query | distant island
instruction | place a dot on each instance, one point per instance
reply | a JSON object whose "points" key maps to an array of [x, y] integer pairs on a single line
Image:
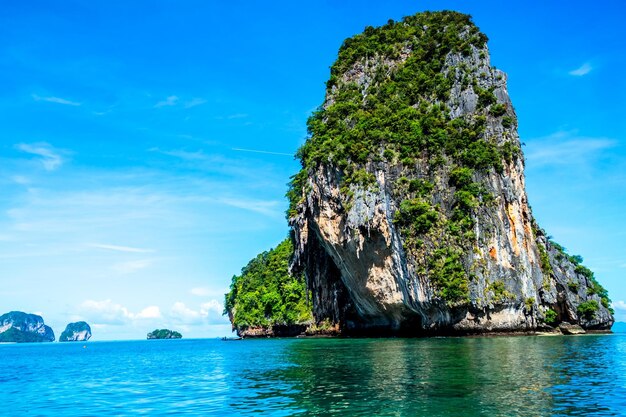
{"points": [[20, 327], [76, 332], [164, 334]]}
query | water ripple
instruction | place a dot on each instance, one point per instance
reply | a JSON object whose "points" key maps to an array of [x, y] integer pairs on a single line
{"points": [[508, 376]]}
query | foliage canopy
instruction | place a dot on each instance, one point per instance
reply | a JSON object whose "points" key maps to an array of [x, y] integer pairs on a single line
{"points": [[266, 294]]}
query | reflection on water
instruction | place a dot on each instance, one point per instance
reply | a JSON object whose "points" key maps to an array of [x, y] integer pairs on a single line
{"points": [[525, 376], [503, 376]]}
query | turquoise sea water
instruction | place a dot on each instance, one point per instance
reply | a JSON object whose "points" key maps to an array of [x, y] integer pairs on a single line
{"points": [[502, 376]]}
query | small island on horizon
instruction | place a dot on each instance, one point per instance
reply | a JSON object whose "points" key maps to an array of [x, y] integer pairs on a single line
{"points": [[79, 331], [164, 334], [20, 327]]}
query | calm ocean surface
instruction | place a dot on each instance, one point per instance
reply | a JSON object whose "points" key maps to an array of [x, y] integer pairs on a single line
{"points": [[503, 376]]}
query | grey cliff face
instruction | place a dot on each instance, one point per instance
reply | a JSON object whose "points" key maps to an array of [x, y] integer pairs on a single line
{"points": [[76, 332], [17, 326], [361, 275]]}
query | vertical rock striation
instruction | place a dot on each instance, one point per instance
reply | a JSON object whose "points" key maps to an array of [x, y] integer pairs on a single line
{"points": [[410, 214]]}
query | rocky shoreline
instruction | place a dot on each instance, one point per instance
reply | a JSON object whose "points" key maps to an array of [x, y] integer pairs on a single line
{"points": [[302, 331]]}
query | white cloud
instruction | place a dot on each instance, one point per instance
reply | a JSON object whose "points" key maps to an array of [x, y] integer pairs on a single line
{"points": [[212, 306], [170, 101], [152, 312], [131, 266], [209, 292], [57, 100], [120, 248], [619, 305], [209, 313], [50, 157], [107, 312], [194, 102], [183, 314], [584, 69], [565, 148], [201, 291]]}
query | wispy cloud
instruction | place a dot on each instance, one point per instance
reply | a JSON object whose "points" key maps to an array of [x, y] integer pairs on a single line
{"points": [[208, 292], [584, 69], [57, 100], [234, 166], [131, 266], [201, 291], [232, 116], [169, 101], [264, 152], [566, 148], [194, 102], [20, 179], [120, 248], [182, 154], [177, 101], [267, 208], [50, 157]]}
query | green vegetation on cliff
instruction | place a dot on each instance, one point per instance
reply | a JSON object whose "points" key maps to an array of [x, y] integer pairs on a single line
{"points": [[266, 294], [14, 335], [399, 116], [20, 327], [414, 156], [593, 286]]}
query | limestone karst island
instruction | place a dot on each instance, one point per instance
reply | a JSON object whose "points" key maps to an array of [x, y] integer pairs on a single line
{"points": [[76, 332], [409, 215], [20, 327]]}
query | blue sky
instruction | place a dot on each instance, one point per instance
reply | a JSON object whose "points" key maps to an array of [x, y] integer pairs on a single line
{"points": [[129, 195]]}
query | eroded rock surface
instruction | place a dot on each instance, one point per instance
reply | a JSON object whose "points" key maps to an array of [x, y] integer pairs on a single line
{"points": [[435, 240]]}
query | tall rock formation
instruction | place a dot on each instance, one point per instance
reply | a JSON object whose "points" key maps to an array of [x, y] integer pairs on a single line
{"points": [[17, 326], [79, 331], [410, 214]]}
